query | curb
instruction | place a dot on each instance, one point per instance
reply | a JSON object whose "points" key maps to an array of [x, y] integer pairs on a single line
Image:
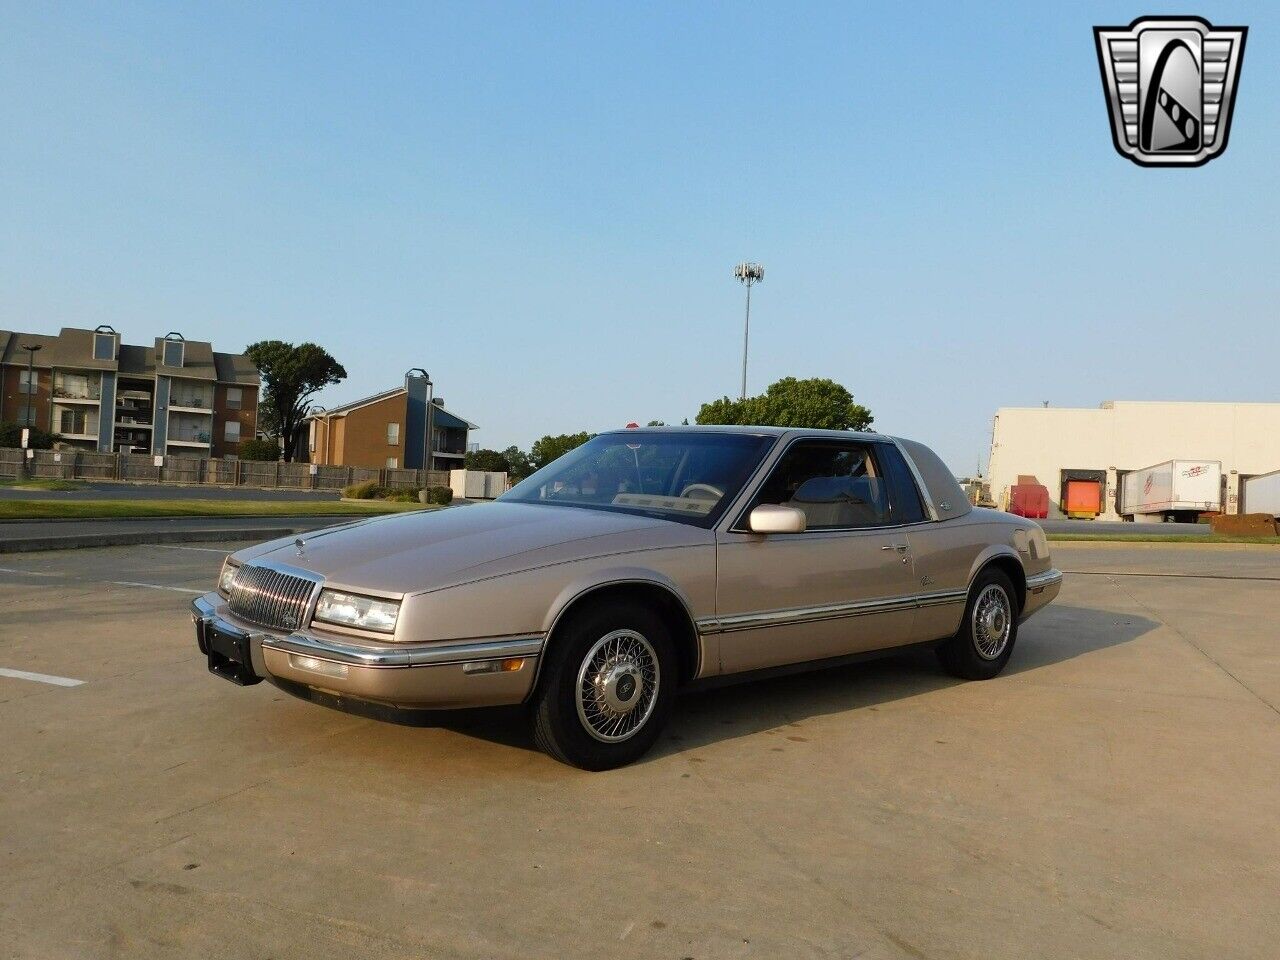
{"points": [[292, 517], [72, 542]]}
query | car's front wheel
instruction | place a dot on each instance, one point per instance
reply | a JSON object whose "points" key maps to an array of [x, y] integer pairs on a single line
{"points": [[606, 688], [984, 642]]}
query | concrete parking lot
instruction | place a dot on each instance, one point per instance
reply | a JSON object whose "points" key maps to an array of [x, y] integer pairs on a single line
{"points": [[1113, 794]]}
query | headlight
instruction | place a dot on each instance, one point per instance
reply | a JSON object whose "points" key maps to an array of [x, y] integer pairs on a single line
{"points": [[229, 568], [353, 610]]}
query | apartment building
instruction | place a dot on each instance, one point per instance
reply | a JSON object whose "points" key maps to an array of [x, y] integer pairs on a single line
{"points": [[388, 430], [175, 397]]}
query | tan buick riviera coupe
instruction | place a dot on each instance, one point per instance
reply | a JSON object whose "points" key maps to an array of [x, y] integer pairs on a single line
{"points": [[641, 563]]}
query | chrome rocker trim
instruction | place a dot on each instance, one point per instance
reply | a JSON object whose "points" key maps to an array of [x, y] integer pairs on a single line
{"points": [[831, 611], [860, 608]]}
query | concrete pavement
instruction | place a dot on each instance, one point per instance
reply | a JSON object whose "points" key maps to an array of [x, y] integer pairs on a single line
{"points": [[1112, 794]]}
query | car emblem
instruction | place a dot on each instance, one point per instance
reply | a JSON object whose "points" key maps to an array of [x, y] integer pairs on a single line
{"points": [[1170, 84], [301, 545]]}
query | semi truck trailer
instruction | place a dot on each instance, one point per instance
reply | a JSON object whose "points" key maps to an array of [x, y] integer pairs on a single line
{"points": [[1176, 490]]}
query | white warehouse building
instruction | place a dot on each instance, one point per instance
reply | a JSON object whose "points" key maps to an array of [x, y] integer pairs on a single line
{"points": [[1057, 444]]}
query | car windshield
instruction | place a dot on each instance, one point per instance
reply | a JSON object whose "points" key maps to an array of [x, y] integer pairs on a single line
{"points": [[689, 477]]}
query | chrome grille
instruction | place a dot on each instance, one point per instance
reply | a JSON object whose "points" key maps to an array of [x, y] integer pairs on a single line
{"points": [[270, 598]]}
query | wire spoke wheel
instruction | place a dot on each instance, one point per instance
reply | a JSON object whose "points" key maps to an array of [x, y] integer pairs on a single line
{"points": [[992, 621], [617, 686]]}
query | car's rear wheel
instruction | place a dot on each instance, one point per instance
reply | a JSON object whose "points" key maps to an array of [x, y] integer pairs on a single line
{"points": [[606, 688], [984, 642]]}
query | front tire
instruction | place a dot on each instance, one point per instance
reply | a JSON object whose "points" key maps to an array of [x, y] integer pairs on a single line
{"points": [[607, 687], [983, 644]]}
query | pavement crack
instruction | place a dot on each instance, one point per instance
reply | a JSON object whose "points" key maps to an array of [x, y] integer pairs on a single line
{"points": [[1199, 649], [209, 803]]}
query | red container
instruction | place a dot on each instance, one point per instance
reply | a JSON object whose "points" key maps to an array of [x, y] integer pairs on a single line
{"points": [[1029, 500]]}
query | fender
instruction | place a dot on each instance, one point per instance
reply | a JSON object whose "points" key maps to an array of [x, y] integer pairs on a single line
{"points": [[590, 581]]}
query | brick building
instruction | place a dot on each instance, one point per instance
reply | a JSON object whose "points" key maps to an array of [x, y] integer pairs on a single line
{"points": [[387, 430], [175, 397]]}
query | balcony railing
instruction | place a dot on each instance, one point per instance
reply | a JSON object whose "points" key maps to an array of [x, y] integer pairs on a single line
{"points": [[196, 403], [191, 436], [69, 393]]}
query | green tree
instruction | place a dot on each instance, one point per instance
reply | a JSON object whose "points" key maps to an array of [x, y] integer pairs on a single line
{"points": [[490, 461], [37, 439], [260, 450], [291, 376], [553, 447], [816, 403], [656, 423], [519, 464]]}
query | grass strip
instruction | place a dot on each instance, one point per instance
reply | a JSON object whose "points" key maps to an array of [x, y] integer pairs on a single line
{"points": [[124, 509]]}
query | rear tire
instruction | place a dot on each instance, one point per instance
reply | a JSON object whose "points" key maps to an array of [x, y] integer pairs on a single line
{"points": [[607, 687], [983, 644]]}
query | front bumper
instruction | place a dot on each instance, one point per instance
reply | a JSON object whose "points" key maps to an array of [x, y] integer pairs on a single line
{"points": [[425, 676], [1041, 589]]}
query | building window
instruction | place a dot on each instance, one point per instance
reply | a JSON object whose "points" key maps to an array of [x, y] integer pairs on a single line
{"points": [[77, 422], [393, 463], [234, 395], [28, 380], [173, 350], [231, 431], [104, 346], [393, 434]]}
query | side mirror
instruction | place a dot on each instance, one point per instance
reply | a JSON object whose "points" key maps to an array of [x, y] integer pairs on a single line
{"points": [[772, 518]]}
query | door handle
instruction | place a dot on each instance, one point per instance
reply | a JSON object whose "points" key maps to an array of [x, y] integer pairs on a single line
{"points": [[900, 547]]}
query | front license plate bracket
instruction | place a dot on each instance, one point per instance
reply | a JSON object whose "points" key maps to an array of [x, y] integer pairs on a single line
{"points": [[229, 657]]}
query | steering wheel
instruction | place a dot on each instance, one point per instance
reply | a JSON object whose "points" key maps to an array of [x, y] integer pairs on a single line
{"points": [[701, 491]]}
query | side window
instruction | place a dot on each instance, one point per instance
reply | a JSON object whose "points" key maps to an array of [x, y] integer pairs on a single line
{"points": [[837, 485], [393, 434], [903, 493]]}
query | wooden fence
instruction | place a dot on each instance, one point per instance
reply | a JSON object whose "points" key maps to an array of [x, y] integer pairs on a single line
{"points": [[200, 471]]}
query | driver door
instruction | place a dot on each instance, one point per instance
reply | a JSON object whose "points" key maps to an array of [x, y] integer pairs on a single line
{"points": [[843, 586]]}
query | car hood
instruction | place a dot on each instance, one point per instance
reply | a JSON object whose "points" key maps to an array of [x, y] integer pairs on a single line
{"points": [[427, 550]]}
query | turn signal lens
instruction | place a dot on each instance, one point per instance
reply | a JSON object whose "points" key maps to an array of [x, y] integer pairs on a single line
{"points": [[509, 665], [315, 665]]}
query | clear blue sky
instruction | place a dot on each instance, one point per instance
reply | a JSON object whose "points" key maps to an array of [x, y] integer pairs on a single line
{"points": [[542, 205]]}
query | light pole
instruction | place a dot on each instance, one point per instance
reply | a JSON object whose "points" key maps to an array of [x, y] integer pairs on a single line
{"points": [[31, 382], [747, 273]]}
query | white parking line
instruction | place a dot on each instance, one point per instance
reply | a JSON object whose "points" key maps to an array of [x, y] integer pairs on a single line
{"points": [[40, 677], [172, 546], [114, 583], [153, 586]]}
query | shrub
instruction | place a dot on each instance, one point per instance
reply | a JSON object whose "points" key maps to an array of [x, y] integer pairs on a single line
{"points": [[368, 490], [11, 436], [438, 495], [259, 450]]}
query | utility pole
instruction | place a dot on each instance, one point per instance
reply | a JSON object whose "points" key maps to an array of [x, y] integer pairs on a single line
{"points": [[747, 273], [31, 381]]}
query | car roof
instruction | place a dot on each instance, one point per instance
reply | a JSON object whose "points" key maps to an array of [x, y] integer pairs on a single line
{"points": [[757, 431]]}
